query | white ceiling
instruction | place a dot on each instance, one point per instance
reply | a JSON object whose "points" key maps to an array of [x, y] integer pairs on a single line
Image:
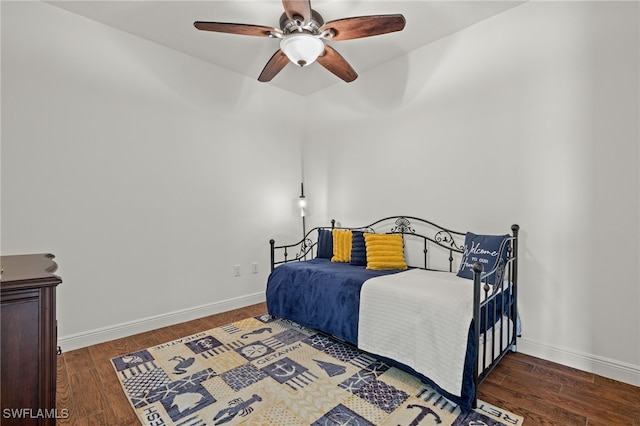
{"points": [[170, 23]]}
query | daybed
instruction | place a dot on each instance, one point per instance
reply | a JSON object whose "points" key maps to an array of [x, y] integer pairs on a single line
{"points": [[438, 303]]}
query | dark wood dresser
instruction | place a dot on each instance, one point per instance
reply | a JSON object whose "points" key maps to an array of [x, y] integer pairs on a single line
{"points": [[28, 339]]}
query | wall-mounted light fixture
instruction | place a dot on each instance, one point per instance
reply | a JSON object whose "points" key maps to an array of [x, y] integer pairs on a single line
{"points": [[302, 208]]}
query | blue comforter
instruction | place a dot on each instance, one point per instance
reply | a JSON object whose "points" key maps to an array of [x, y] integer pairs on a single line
{"points": [[320, 294]]}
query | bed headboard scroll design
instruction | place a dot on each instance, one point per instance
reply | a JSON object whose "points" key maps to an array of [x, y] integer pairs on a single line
{"points": [[432, 240], [403, 226], [444, 238], [428, 234]]}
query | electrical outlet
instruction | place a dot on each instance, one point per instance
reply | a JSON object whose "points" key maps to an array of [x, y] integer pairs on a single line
{"points": [[254, 268], [236, 270]]}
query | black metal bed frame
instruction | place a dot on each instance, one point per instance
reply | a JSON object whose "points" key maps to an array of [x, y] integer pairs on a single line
{"points": [[452, 242]]}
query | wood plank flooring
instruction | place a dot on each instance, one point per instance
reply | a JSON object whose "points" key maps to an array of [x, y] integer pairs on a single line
{"points": [[543, 392]]}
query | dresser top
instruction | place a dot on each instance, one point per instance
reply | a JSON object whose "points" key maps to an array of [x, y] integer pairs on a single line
{"points": [[28, 270]]}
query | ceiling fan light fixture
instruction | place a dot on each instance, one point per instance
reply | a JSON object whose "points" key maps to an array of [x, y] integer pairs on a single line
{"points": [[301, 48]]}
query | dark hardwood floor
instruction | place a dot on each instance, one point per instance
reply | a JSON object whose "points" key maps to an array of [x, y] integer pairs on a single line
{"points": [[543, 392]]}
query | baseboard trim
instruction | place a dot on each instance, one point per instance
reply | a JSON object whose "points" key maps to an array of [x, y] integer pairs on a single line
{"points": [[613, 369], [118, 331]]}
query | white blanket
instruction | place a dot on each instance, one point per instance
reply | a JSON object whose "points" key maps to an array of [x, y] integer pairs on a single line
{"points": [[421, 319]]}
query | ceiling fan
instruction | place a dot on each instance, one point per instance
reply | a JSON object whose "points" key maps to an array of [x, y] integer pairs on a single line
{"points": [[302, 31]]}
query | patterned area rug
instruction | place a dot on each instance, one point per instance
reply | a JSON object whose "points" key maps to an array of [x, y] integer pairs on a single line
{"points": [[264, 371]]}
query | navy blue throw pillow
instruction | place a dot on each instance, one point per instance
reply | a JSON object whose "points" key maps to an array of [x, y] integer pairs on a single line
{"points": [[358, 249], [325, 243], [483, 249]]}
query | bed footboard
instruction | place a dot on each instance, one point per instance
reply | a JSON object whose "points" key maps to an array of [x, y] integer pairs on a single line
{"points": [[494, 342], [301, 250]]}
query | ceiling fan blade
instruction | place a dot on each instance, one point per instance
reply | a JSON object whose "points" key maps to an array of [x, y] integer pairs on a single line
{"points": [[335, 63], [297, 8], [277, 62], [364, 26], [243, 29]]}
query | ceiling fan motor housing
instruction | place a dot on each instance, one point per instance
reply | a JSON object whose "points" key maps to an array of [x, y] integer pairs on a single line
{"points": [[289, 26], [301, 41]]}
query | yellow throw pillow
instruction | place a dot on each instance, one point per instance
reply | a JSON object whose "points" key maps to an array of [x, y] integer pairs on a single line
{"points": [[385, 251], [341, 245]]}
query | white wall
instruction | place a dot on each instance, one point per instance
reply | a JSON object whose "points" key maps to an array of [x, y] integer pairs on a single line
{"points": [[148, 173], [530, 117]]}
